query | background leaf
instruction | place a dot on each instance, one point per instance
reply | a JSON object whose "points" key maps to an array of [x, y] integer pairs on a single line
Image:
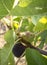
{"points": [[5, 7], [34, 8], [6, 51], [33, 57]]}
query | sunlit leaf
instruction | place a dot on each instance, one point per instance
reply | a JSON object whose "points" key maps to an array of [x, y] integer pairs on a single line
{"points": [[35, 7]]}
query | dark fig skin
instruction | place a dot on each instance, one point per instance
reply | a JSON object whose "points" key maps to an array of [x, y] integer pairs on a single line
{"points": [[18, 49]]}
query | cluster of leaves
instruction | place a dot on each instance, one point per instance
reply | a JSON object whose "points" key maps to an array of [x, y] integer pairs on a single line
{"points": [[30, 16]]}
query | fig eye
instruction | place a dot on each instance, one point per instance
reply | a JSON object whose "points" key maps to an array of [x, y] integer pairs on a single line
{"points": [[18, 49]]}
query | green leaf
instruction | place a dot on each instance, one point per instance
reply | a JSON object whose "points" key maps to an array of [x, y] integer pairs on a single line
{"points": [[46, 40], [33, 57], [18, 19], [35, 19], [43, 38], [30, 27], [42, 43], [0, 56], [9, 36], [23, 3], [35, 7], [39, 27], [7, 49], [5, 7], [9, 61], [24, 25]]}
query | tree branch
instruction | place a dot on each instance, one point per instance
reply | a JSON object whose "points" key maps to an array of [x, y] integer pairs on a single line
{"points": [[28, 44]]}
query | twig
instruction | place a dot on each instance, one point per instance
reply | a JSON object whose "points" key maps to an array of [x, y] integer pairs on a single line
{"points": [[33, 47], [19, 59]]}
